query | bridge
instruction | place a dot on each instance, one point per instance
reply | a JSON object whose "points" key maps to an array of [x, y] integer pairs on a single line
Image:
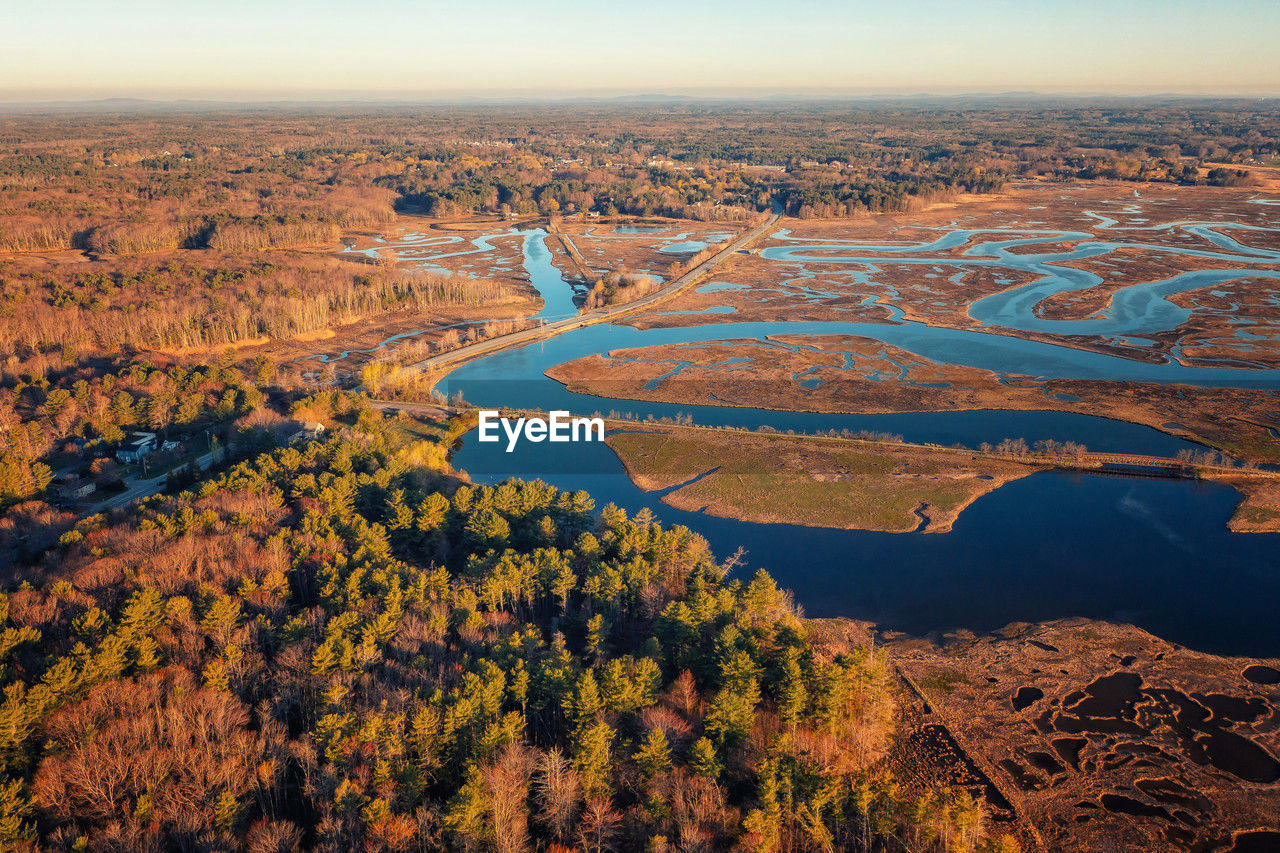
{"points": [[1138, 460], [1160, 466]]}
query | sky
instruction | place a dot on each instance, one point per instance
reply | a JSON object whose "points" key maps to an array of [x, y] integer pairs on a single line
{"points": [[322, 49]]}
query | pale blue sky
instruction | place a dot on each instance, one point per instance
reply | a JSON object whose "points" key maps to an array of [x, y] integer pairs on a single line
{"points": [[323, 48]]}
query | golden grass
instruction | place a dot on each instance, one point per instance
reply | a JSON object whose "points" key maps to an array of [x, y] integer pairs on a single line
{"points": [[808, 481], [1259, 510]]}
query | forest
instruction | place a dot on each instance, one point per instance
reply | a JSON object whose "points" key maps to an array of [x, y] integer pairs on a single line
{"points": [[230, 180], [341, 645], [182, 304]]}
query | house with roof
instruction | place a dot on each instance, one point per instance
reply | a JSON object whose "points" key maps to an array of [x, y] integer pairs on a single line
{"points": [[307, 431], [138, 446]]}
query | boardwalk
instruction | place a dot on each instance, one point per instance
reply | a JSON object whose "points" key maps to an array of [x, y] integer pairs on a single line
{"points": [[1135, 459]]}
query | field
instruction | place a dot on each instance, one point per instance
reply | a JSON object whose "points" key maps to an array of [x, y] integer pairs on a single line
{"points": [[1259, 512], [652, 245], [813, 482]]}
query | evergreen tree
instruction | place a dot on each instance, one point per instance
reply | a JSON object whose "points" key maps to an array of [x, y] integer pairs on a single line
{"points": [[654, 755]]}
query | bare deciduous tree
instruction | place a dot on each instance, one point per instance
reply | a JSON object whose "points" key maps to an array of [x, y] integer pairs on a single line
{"points": [[558, 792], [507, 780]]}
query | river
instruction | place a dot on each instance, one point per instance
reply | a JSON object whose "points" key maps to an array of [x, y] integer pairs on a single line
{"points": [[1155, 553]]}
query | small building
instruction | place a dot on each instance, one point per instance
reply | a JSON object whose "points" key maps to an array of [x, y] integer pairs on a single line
{"points": [[139, 446], [73, 488], [81, 490], [308, 431]]}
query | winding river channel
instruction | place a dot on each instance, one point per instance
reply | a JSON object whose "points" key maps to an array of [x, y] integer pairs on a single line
{"points": [[1156, 553]]}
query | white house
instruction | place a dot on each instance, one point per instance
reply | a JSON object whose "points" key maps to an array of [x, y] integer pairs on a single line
{"points": [[309, 431]]}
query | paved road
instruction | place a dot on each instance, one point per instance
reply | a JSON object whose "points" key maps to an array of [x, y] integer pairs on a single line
{"points": [[137, 488], [600, 315]]}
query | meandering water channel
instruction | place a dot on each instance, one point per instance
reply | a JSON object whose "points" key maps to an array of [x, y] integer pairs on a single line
{"points": [[1155, 553]]}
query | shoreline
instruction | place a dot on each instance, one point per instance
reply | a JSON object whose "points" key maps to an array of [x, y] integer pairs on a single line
{"points": [[846, 486]]}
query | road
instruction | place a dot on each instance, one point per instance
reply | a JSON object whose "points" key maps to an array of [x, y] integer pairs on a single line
{"points": [[600, 315], [137, 488]]}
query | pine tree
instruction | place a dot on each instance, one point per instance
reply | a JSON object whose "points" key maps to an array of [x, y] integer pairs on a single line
{"points": [[222, 617], [148, 654], [144, 612], [792, 695], [16, 811], [467, 810], [582, 707], [703, 759], [216, 676], [654, 755], [398, 515], [597, 635], [485, 528], [432, 512], [226, 811], [591, 757], [562, 583], [327, 657], [733, 712]]}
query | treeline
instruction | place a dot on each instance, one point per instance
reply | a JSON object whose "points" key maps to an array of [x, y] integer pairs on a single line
{"points": [[270, 232], [617, 287], [704, 193], [222, 186], [833, 159], [181, 305], [392, 375], [341, 646], [35, 236], [214, 232], [1019, 449], [811, 196], [160, 183]]}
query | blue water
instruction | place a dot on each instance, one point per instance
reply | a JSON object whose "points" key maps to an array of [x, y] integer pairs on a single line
{"points": [[1155, 553], [1134, 310], [1152, 552], [1000, 353], [687, 247], [422, 252], [640, 229], [1140, 308], [556, 293]]}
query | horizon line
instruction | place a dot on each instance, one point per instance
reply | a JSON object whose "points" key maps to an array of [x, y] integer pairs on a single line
{"points": [[330, 97]]}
